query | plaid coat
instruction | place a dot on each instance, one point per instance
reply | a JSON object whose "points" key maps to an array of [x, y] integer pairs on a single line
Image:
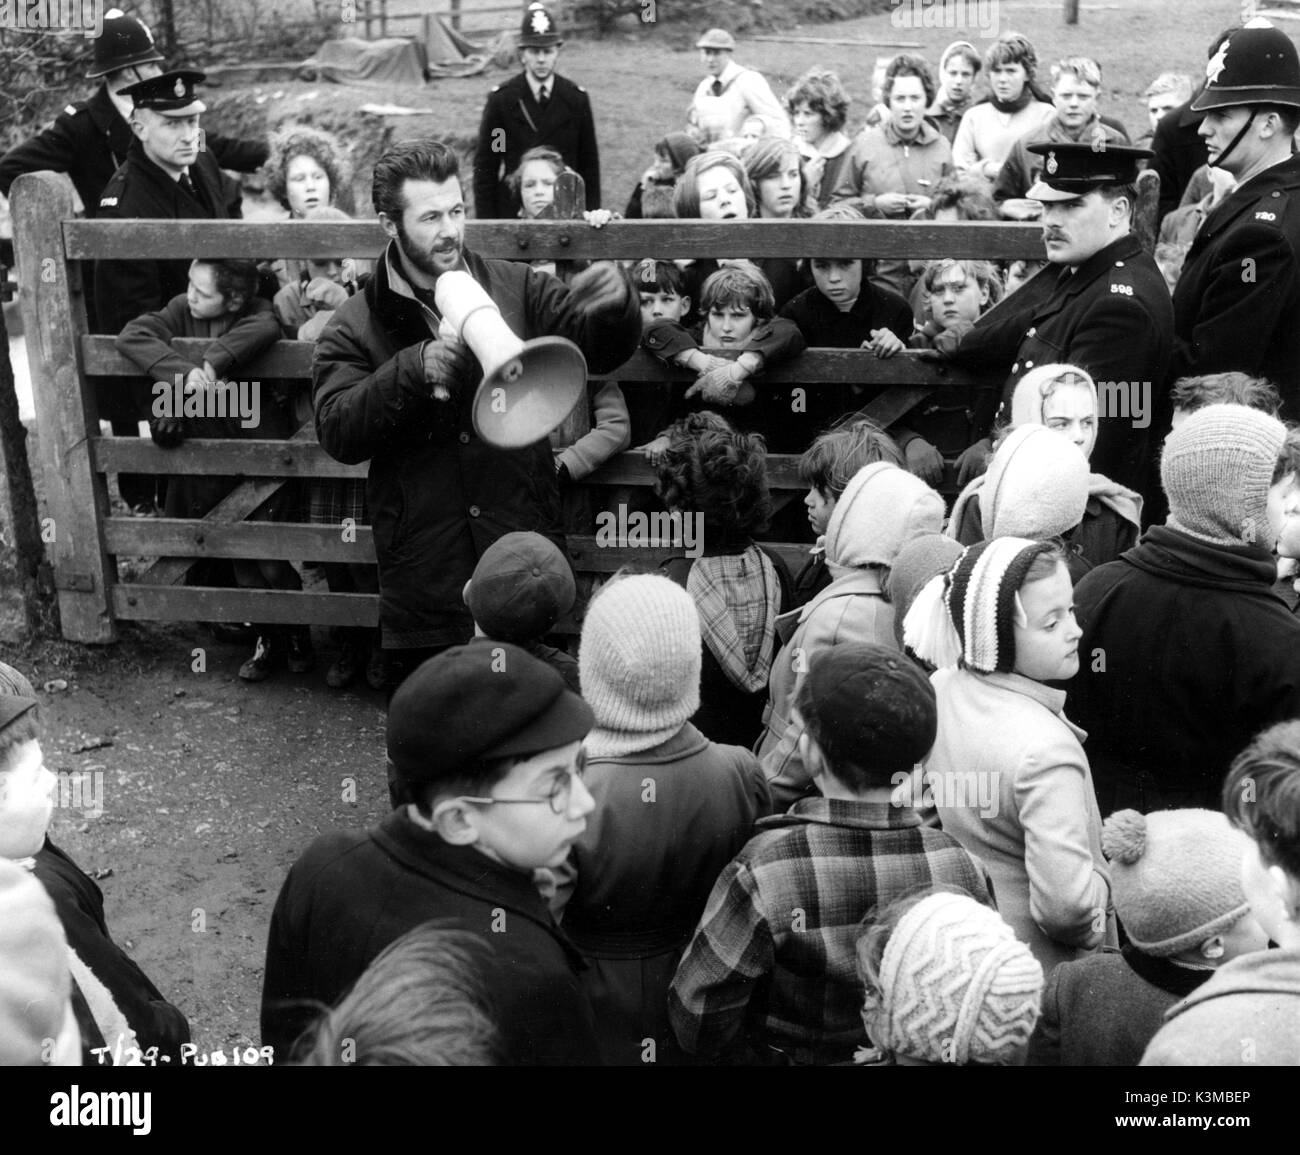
{"points": [[772, 965]]}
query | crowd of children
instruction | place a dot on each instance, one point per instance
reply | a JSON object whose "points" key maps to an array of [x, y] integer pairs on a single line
{"points": [[844, 816]]}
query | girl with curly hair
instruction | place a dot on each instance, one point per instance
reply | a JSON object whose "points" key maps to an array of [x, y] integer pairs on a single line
{"points": [[818, 107], [716, 474]]}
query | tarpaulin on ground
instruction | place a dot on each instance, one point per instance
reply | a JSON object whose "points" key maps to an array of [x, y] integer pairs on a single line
{"points": [[396, 60]]}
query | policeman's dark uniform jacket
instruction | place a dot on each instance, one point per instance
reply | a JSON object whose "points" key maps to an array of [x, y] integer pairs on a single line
{"points": [[140, 188], [90, 139], [513, 122], [1111, 315], [1237, 302], [438, 494]]}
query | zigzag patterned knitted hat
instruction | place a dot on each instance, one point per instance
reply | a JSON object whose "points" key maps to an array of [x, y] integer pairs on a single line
{"points": [[957, 986]]}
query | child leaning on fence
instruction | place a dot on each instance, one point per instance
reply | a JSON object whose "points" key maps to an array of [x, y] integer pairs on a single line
{"points": [[305, 307]]}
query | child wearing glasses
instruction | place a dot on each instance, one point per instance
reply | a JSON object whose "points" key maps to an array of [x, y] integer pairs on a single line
{"points": [[672, 808], [490, 796]]}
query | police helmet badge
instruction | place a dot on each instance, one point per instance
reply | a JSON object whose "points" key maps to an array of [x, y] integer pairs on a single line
{"points": [[1052, 166]]}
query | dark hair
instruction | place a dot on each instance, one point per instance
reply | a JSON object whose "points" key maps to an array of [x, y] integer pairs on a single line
{"points": [[474, 780], [763, 160], [1232, 388], [429, 160], [907, 65], [711, 468], [653, 276], [829, 463], [1012, 48], [969, 195], [1112, 193], [741, 285], [1261, 795], [422, 1002], [821, 90], [23, 729], [686, 196], [323, 147], [1288, 457], [232, 277], [1287, 114], [541, 152]]}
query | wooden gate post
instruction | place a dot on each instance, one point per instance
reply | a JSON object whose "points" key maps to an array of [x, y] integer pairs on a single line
{"points": [[54, 318]]}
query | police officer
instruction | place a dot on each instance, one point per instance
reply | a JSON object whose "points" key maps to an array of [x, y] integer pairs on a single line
{"points": [[1101, 302], [165, 174], [91, 138], [1237, 302], [537, 107]]}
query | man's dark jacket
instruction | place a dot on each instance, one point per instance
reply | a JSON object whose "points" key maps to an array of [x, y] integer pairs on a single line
{"points": [[513, 122], [89, 141], [125, 290], [353, 893], [1237, 303], [1111, 316], [439, 495], [1186, 655]]}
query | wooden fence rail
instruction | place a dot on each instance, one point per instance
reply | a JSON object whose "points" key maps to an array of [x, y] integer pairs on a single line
{"points": [[75, 458]]}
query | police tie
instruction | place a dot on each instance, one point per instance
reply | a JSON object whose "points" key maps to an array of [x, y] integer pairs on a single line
{"points": [[717, 88]]}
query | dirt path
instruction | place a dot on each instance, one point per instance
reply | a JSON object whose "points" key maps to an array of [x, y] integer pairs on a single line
{"points": [[210, 789]]}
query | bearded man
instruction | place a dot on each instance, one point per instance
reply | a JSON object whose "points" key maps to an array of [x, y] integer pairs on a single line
{"points": [[390, 389]]}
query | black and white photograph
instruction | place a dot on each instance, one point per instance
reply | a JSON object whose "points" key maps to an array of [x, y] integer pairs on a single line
{"points": [[686, 534]]}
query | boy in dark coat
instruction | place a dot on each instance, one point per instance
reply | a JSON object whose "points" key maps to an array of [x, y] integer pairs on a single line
{"points": [[1176, 880], [121, 1015], [672, 809], [495, 797], [1248, 1013], [770, 976], [1186, 650]]}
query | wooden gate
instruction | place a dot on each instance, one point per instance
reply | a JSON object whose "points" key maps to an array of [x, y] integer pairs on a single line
{"points": [[75, 458]]}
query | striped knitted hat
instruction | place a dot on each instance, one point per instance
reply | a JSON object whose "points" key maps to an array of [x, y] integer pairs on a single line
{"points": [[956, 986], [970, 612]]}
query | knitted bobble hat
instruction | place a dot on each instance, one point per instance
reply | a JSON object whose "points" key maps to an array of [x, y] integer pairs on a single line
{"points": [[1175, 876], [917, 562], [970, 612], [956, 985], [1216, 469], [639, 663]]}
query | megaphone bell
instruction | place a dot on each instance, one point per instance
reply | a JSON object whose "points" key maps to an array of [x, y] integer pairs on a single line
{"points": [[528, 387]]}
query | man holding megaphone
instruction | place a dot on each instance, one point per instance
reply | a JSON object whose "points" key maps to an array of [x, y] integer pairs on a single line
{"points": [[395, 382]]}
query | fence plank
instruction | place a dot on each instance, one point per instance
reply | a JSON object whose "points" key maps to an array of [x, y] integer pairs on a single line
{"points": [[292, 359], [54, 317], [288, 541], [992, 240], [275, 607], [215, 458]]}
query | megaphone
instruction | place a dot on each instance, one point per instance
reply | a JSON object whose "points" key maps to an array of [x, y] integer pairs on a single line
{"points": [[528, 387]]}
